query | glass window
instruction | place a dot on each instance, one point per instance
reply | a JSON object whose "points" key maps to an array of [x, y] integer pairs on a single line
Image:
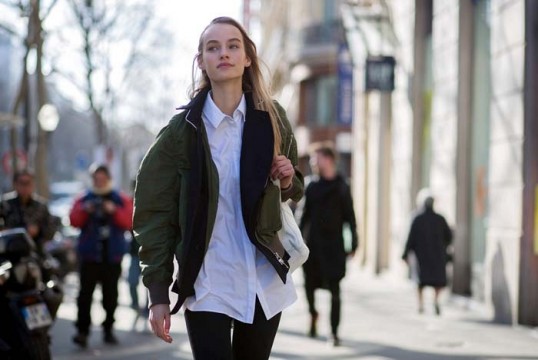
{"points": [[320, 101]]}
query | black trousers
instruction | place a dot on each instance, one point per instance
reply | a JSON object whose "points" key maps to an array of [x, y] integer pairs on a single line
{"points": [[210, 335], [334, 288], [92, 274]]}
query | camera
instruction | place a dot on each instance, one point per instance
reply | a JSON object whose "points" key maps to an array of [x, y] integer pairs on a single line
{"points": [[96, 207]]}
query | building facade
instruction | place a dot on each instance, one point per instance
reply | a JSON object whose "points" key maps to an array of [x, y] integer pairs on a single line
{"points": [[304, 45], [461, 120]]}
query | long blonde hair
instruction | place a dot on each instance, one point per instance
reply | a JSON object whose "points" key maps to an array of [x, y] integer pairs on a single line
{"points": [[253, 80]]}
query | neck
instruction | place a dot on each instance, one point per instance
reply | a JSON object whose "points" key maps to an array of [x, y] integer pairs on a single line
{"points": [[329, 174], [103, 190], [226, 96], [24, 199]]}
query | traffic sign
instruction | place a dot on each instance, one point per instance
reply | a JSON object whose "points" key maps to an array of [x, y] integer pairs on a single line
{"points": [[7, 160]]}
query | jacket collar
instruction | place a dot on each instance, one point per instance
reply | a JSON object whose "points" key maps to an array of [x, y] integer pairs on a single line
{"points": [[214, 116], [196, 106]]}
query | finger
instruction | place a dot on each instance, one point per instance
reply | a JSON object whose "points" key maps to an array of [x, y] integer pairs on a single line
{"points": [[167, 323], [286, 171], [156, 322], [157, 328], [275, 165], [282, 169]]}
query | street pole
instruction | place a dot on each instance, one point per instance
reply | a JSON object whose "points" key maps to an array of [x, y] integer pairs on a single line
{"points": [[41, 170]]}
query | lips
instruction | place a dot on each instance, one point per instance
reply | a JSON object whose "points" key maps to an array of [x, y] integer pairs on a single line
{"points": [[224, 65]]}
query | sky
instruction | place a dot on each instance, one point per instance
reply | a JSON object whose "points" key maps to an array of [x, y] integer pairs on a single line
{"points": [[184, 19], [187, 20]]}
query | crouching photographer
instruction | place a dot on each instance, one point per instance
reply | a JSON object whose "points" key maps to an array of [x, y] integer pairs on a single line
{"points": [[103, 215]]}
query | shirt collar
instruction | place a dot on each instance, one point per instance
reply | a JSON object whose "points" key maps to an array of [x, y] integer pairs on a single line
{"points": [[215, 116]]}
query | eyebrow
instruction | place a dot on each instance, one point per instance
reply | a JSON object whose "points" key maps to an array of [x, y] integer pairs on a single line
{"points": [[217, 42]]}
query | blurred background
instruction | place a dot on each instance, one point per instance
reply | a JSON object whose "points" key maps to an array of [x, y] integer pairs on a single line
{"points": [[413, 93]]}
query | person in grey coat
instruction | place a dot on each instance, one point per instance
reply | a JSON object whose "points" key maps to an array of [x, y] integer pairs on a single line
{"points": [[429, 238]]}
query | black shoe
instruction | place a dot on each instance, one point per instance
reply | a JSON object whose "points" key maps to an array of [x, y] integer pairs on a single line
{"points": [[313, 326], [81, 340], [437, 309], [109, 338], [335, 341]]}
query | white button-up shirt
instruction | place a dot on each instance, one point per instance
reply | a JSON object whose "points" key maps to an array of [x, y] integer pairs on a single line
{"points": [[234, 272]]}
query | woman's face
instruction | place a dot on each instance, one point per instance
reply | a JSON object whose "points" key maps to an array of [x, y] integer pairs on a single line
{"points": [[100, 180], [223, 53]]}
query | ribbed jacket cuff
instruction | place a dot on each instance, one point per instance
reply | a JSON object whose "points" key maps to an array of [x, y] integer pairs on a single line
{"points": [[158, 294], [285, 194]]}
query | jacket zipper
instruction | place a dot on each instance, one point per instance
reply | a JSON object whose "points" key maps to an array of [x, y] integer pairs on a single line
{"points": [[277, 256], [281, 261]]}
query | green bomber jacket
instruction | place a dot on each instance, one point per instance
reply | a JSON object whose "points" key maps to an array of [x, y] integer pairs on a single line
{"points": [[176, 197]]}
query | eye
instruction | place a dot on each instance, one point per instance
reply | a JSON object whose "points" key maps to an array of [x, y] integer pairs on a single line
{"points": [[212, 48]]}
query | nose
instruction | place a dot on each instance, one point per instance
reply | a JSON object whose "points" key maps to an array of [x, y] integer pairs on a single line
{"points": [[224, 53]]}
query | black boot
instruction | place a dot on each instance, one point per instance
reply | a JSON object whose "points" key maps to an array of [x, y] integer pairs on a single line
{"points": [[81, 339], [335, 340], [313, 326], [109, 337]]}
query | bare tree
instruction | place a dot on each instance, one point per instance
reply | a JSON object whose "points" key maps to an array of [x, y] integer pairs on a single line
{"points": [[33, 39], [115, 41], [112, 57]]}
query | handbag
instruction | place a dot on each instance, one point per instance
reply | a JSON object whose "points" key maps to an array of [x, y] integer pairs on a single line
{"points": [[290, 236]]}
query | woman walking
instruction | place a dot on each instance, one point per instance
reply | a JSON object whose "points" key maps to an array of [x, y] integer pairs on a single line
{"points": [[429, 238], [197, 198]]}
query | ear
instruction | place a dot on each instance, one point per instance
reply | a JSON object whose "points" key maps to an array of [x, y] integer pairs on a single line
{"points": [[247, 62], [200, 62]]}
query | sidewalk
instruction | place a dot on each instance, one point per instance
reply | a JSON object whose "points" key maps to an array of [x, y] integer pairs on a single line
{"points": [[379, 321]]}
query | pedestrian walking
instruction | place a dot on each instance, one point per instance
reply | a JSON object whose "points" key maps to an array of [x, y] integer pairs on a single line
{"points": [[23, 208], [327, 207], [428, 238], [196, 197], [103, 215]]}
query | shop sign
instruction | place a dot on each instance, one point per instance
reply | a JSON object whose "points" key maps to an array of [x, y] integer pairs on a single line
{"points": [[380, 73]]}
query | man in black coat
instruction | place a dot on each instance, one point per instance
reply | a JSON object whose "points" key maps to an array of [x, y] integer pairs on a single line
{"points": [[23, 208], [429, 237], [328, 205]]}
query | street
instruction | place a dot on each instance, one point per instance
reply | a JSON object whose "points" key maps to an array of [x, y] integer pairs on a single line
{"points": [[379, 322]]}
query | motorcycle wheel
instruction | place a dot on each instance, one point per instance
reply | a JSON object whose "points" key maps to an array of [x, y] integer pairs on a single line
{"points": [[40, 346]]}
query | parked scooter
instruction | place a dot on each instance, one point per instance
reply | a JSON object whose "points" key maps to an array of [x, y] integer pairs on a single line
{"points": [[28, 304], [62, 248]]}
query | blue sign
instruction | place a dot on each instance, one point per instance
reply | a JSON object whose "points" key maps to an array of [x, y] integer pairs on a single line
{"points": [[82, 160], [345, 87]]}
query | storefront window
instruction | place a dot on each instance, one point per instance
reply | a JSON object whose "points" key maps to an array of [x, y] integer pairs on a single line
{"points": [[320, 101]]}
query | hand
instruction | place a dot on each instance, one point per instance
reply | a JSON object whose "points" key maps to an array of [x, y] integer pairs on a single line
{"points": [[32, 230], [282, 169], [88, 207], [109, 207], [159, 319]]}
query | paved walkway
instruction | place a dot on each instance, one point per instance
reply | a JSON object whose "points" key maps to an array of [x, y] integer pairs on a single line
{"points": [[379, 322]]}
